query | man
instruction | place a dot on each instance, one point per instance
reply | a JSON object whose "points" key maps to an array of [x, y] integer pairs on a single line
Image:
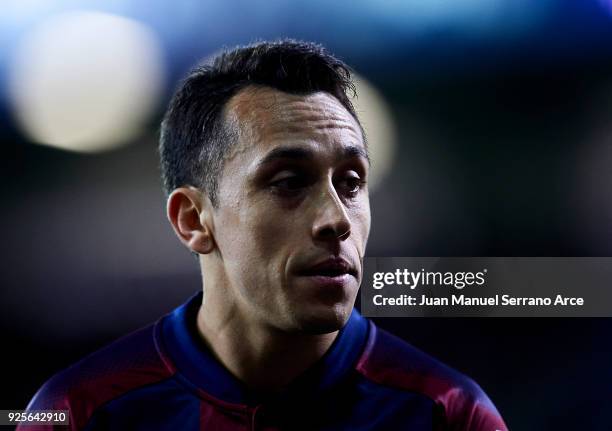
{"points": [[266, 166]]}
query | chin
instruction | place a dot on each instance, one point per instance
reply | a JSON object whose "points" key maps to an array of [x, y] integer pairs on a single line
{"points": [[324, 319]]}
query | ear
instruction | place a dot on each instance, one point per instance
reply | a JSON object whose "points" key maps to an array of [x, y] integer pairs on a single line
{"points": [[189, 212]]}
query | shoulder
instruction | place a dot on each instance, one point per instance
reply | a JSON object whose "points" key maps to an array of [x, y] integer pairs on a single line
{"points": [[126, 364], [387, 360]]}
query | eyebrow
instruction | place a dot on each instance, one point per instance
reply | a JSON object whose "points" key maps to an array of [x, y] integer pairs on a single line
{"points": [[300, 153]]}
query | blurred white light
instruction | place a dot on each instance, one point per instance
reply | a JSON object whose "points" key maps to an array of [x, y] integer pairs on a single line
{"points": [[377, 121], [86, 81], [21, 8]]}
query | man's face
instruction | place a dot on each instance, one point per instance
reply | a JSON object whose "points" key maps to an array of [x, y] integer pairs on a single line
{"points": [[293, 215]]}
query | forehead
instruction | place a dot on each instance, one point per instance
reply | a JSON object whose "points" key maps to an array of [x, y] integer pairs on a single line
{"points": [[264, 118]]}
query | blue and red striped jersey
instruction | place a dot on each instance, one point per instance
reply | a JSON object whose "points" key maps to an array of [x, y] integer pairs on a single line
{"points": [[163, 377]]}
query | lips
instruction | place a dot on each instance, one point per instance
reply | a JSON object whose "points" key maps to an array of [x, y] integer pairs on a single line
{"points": [[333, 267]]}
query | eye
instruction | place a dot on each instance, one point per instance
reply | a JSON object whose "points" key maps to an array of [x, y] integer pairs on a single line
{"points": [[350, 185], [289, 183]]}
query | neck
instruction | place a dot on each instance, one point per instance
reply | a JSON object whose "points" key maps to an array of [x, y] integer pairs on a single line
{"points": [[265, 358]]}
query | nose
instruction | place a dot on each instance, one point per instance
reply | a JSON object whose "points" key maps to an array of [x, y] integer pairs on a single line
{"points": [[331, 222]]}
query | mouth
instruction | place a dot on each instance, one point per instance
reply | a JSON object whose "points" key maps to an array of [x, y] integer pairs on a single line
{"points": [[330, 268]]}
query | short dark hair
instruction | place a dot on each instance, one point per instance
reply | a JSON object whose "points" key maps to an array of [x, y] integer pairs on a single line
{"points": [[194, 138]]}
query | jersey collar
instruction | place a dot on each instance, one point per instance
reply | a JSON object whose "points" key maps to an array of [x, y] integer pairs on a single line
{"points": [[195, 363]]}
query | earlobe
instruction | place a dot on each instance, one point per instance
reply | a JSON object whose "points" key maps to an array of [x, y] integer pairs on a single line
{"points": [[187, 212]]}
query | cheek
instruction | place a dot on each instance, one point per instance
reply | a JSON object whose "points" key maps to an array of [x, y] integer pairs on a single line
{"points": [[360, 216], [255, 232], [267, 239], [270, 228]]}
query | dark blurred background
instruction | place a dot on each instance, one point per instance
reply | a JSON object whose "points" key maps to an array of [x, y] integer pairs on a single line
{"points": [[489, 124]]}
